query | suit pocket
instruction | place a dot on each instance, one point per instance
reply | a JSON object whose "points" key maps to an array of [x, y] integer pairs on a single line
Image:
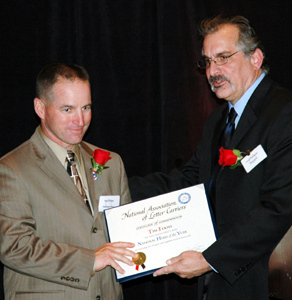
{"points": [[40, 295]]}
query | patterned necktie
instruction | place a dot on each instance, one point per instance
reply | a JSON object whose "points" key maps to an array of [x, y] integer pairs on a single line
{"points": [[72, 171], [228, 131]]}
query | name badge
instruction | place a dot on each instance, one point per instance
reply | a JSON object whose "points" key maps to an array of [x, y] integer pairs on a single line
{"points": [[256, 156], [108, 201]]}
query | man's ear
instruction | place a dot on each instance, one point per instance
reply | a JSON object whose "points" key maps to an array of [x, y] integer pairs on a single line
{"points": [[257, 58], [39, 108]]}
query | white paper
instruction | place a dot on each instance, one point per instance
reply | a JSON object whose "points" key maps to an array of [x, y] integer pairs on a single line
{"points": [[162, 227]]}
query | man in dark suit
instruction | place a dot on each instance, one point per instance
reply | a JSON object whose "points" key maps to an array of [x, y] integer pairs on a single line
{"points": [[252, 210], [53, 239]]}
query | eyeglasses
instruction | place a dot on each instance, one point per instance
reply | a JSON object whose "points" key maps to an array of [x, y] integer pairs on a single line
{"points": [[205, 62]]}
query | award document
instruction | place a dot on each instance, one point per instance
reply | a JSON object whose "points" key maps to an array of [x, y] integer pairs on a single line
{"points": [[162, 227]]}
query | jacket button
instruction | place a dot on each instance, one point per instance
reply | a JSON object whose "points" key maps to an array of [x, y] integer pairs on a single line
{"points": [[94, 230]]}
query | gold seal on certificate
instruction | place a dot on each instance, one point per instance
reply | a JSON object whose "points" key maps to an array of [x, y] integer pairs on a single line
{"points": [[140, 260]]}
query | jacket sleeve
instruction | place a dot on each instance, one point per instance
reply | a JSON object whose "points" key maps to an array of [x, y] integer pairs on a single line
{"points": [[159, 183]]}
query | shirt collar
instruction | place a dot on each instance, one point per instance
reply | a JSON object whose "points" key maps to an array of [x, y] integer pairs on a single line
{"points": [[239, 106], [58, 150]]}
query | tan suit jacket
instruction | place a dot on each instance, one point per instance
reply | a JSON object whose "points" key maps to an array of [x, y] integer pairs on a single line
{"points": [[47, 234]]}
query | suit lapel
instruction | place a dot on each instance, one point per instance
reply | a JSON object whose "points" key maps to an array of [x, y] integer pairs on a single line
{"points": [[53, 168], [220, 123], [49, 163], [251, 111], [246, 121], [87, 155]]}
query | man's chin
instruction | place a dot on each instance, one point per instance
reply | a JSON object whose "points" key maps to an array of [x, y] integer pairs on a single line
{"points": [[216, 88], [74, 141], [222, 92]]}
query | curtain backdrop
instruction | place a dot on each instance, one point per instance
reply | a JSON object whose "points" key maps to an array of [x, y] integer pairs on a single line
{"points": [[149, 100]]}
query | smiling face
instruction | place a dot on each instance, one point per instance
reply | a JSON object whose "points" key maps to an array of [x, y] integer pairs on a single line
{"points": [[230, 81], [66, 115]]}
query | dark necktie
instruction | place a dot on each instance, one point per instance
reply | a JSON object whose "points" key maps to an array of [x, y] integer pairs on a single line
{"points": [[224, 142], [228, 131], [72, 171]]}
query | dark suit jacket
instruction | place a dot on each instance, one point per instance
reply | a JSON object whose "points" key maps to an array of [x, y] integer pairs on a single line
{"points": [[253, 210], [47, 234]]}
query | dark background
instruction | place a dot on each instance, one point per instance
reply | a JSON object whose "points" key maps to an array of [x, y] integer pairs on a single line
{"points": [[149, 100]]}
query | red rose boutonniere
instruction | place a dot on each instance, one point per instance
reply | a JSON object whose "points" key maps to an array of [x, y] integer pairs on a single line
{"points": [[230, 158], [99, 159]]}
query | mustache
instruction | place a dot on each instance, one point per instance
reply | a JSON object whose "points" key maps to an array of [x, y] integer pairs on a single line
{"points": [[218, 78]]}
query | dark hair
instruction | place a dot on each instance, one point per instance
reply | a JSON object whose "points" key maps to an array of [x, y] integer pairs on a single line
{"points": [[50, 74], [248, 41]]}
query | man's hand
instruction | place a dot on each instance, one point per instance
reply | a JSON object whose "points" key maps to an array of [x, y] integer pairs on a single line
{"points": [[187, 265], [109, 253]]}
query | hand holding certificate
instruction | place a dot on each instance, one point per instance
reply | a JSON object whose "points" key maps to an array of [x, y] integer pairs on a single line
{"points": [[187, 265], [162, 227]]}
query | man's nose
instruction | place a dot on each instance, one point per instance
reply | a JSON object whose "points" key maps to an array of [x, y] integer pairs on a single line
{"points": [[79, 118], [213, 69]]}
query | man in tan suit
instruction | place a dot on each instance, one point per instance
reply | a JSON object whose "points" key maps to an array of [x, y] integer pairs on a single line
{"points": [[53, 244]]}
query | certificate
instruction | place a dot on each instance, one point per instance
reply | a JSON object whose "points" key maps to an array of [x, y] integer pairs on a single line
{"points": [[162, 227]]}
